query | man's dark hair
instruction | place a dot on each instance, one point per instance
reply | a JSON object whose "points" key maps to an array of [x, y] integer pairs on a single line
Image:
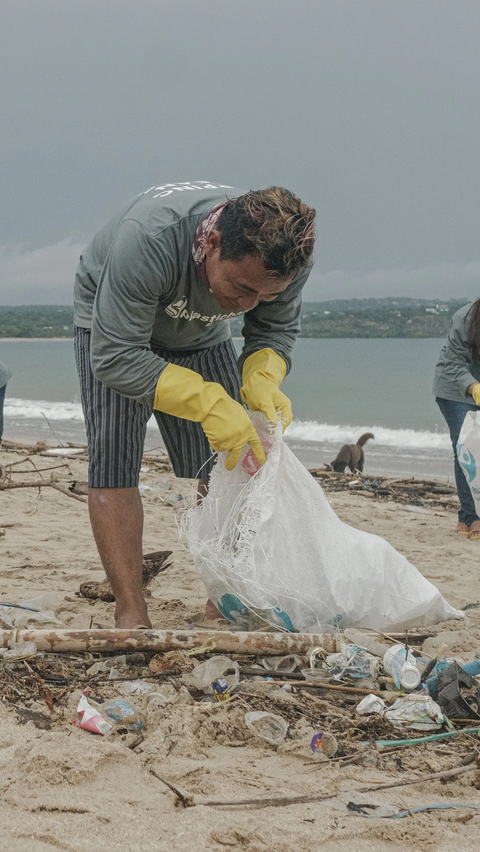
{"points": [[272, 224]]}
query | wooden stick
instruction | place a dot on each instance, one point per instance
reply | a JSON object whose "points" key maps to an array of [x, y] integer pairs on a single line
{"points": [[41, 469], [338, 687], [276, 644], [300, 800], [41, 483]]}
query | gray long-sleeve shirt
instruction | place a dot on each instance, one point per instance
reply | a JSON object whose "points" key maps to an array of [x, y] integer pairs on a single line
{"points": [[457, 369], [137, 286], [5, 374]]}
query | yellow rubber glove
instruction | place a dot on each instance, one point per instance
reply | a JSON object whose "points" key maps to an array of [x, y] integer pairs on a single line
{"points": [[183, 393], [263, 372], [476, 393]]}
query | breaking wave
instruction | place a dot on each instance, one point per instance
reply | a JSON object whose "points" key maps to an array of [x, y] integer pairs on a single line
{"points": [[36, 408], [298, 431], [326, 433]]}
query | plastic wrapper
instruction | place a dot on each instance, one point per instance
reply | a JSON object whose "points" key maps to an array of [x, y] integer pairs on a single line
{"points": [[371, 704], [417, 711], [123, 713], [90, 719], [353, 663], [18, 651], [33, 609]]}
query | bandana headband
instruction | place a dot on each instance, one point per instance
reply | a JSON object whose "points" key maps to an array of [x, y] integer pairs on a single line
{"points": [[206, 226]]}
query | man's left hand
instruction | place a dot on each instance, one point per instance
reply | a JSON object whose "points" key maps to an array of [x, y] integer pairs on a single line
{"points": [[263, 371]]}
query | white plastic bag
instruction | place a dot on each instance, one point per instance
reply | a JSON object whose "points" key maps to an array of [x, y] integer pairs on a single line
{"points": [[272, 542], [468, 453]]}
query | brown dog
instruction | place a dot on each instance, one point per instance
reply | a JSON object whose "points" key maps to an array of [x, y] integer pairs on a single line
{"points": [[351, 455]]}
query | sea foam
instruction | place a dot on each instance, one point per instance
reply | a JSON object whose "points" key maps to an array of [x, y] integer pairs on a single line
{"points": [[298, 431], [326, 433]]}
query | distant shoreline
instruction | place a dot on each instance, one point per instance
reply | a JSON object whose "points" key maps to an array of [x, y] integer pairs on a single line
{"points": [[235, 337], [31, 339]]}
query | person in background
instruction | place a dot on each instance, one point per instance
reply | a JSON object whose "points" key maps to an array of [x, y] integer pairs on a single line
{"points": [[457, 390], [4, 377], [154, 292]]}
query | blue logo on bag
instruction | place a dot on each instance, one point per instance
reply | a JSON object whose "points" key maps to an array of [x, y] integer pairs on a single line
{"points": [[467, 462]]}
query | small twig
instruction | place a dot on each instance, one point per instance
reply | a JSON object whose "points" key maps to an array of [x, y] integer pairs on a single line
{"points": [[67, 492], [51, 429], [305, 684], [184, 798], [300, 800], [41, 469]]}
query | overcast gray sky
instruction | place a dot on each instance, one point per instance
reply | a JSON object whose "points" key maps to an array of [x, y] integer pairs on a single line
{"points": [[368, 109]]}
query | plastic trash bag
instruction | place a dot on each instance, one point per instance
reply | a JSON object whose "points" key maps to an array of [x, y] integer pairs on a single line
{"points": [[468, 453], [272, 542]]}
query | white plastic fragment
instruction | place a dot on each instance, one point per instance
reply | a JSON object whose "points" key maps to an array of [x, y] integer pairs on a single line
{"points": [[371, 704], [267, 726]]}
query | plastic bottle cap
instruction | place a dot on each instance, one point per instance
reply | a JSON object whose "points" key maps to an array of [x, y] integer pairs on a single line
{"points": [[409, 676]]}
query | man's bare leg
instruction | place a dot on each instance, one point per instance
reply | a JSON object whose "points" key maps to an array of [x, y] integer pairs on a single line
{"points": [[116, 515]]}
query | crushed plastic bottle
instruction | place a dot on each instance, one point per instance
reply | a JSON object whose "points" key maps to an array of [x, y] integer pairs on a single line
{"points": [[267, 726], [204, 675]]}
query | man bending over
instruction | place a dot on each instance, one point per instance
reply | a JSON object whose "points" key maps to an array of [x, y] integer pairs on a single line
{"points": [[154, 292]]}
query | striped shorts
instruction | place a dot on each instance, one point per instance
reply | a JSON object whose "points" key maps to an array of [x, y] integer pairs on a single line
{"points": [[116, 425]]}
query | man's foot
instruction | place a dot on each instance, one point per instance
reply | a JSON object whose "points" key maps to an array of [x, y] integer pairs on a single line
{"points": [[474, 531], [132, 620], [211, 610], [462, 529]]}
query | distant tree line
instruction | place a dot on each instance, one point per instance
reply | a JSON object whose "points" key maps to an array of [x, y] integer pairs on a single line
{"points": [[392, 317], [374, 318], [36, 321]]}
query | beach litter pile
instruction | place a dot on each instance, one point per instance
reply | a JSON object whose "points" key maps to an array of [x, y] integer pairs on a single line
{"points": [[345, 699], [423, 493]]}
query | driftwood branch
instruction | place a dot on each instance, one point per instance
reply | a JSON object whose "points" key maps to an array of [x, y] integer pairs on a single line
{"points": [[276, 644], [409, 490], [41, 483]]}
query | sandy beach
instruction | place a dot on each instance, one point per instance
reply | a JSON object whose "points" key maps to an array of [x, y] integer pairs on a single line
{"points": [[65, 788]]}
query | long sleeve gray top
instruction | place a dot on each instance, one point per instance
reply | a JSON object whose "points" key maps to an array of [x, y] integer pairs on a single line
{"points": [[5, 374], [456, 368], [137, 286]]}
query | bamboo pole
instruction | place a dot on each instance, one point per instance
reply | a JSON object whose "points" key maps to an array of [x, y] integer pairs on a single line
{"points": [[276, 644]]}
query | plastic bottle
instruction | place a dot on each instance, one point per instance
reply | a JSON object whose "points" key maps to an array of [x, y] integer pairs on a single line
{"points": [[402, 666]]}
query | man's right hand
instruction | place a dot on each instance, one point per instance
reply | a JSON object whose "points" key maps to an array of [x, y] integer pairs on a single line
{"points": [[474, 390], [183, 393]]}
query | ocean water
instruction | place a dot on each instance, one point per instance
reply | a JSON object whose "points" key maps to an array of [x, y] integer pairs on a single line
{"points": [[339, 389]]}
